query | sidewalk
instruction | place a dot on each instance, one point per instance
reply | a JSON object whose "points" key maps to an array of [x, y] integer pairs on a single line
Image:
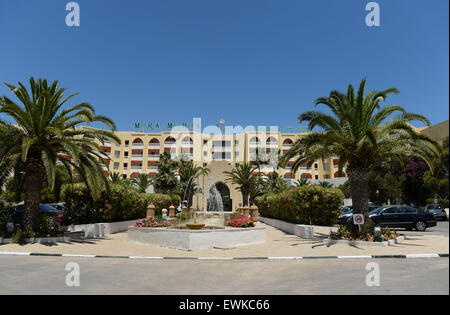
{"points": [[278, 244]]}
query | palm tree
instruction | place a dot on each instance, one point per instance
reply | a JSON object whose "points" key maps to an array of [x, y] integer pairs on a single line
{"points": [[45, 134], [275, 182], [359, 133], [142, 182], [189, 174], [166, 179], [243, 176], [115, 178], [325, 184], [302, 182]]}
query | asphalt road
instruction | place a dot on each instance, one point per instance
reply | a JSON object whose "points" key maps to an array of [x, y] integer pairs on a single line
{"points": [[440, 229], [47, 275]]}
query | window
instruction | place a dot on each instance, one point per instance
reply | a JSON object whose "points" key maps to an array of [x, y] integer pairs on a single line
{"points": [[316, 166], [125, 165], [327, 176], [205, 153], [205, 142], [205, 164], [117, 154], [391, 210], [316, 176], [126, 154], [326, 166], [124, 176], [127, 143], [116, 165]]}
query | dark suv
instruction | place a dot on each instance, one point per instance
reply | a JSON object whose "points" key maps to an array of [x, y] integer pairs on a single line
{"points": [[403, 217]]}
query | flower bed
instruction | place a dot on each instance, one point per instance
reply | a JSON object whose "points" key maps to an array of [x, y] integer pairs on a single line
{"points": [[154, 222], [240, 221]]}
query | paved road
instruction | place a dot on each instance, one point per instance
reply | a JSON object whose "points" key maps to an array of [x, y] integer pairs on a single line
{"points": [[46, 275], [440, 229]]}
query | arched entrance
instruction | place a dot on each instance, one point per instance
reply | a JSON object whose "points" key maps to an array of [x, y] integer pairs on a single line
{"points": [[224, 192]]}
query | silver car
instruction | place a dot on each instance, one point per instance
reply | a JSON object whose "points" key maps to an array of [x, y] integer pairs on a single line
{"points": [[437, 210]]}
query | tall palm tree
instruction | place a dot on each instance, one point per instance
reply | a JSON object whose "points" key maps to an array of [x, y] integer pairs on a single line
{"points": [[189, 174], [142, 182], [359, 133], [243, 176], [45, 134]]}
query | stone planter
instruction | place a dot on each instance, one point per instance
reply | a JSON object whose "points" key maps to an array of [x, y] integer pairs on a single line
{"points": [[329, 242], [171, 211], [150, 211], [254, 213], [246, 211], [41, 240], [184, 209]]}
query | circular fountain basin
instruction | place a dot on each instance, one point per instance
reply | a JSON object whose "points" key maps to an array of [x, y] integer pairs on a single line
{"points": [[206, 238], [195, 226]]}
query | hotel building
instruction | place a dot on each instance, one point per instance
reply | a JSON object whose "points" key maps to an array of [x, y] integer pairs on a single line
{"points": [[139, 153]]}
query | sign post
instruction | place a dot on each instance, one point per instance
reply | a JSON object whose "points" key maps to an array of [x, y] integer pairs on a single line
{"points": [[358, 219]]}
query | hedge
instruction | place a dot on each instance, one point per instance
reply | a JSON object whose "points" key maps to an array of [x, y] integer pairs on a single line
{"points": [[120, 203], [312, 205]]}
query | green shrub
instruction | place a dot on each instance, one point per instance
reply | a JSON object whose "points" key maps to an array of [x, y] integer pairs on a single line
{"points": [[313, 205], [120, 203]]}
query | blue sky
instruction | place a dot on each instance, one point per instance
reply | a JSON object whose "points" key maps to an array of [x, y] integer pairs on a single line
{"points": [[251, 62]]}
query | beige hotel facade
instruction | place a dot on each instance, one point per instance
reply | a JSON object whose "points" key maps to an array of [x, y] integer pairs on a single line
{"points": [[220, 151]]}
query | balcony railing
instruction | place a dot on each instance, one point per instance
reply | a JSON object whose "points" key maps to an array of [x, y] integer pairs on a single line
{"points": [[154, 144], [136, 167], [137, 145]]}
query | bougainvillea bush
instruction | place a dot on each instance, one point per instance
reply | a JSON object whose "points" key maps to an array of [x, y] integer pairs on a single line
{"points": [[240, 221], [312, 205], [120, 203], [152, 222]]}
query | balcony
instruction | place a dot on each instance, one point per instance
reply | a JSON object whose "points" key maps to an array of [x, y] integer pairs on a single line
{"points": [[137, 145], [170, 144], [272, 144], [154, 145], [153, 157], [187, 144], [136, 167], [137, 157], [254, 144]]}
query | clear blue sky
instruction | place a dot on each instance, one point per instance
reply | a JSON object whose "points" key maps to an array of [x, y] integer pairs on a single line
{"points": [[251, 62]]}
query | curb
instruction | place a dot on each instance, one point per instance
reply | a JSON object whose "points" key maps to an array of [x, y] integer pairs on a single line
{"points": [[409, 256]]}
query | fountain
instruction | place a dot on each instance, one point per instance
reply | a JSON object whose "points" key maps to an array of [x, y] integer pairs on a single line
{"points": [[200, 231]]}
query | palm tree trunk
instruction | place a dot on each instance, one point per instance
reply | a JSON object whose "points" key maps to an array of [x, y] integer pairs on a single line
{"points": [[359, 185], [245, 192], [34, 179]]}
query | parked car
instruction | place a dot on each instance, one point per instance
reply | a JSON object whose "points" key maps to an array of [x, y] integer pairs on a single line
{"points": [[437, 210], [57, 206], [44, 209], [348, 214], [407, 217]]}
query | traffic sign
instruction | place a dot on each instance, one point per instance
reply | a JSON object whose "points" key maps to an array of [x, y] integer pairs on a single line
{"points": [[358, 219]]}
